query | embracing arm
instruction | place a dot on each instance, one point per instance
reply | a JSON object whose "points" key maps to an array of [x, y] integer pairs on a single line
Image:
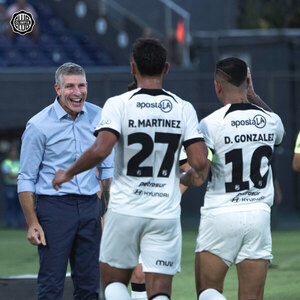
{"points": [[105, 186], [197, 158], [183, 168], [296, 162], [252, 96]]}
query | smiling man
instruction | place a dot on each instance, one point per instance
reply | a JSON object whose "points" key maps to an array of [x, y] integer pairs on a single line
{"points": [[65, 224]]}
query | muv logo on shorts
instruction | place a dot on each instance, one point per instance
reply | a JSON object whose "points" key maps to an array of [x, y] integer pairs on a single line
{"points": [[22, 22], [258, 121], [164, 263], [164, 105]]}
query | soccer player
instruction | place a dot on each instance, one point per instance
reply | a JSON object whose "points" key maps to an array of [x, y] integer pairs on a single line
{"points": [[296, 158], [235, 218], [137, 281], [147, 126]]}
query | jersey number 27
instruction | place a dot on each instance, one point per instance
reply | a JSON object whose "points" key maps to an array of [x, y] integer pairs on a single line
{"points": [[134, 168]]}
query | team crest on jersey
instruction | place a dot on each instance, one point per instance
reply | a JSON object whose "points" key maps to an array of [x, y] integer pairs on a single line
{"points": [[258, 121], [164, 105], [105, 122]]}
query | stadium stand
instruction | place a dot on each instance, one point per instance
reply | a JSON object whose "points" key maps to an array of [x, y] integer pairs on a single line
{"points": [[56, 44]]}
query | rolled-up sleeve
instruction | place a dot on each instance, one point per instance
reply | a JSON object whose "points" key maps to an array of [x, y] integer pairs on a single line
{"points": [[106, 168], [32, 151]]}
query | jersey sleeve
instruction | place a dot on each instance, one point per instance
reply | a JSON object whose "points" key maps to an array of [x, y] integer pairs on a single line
{"points": [[280, 130], [182, 156], [191, 132], [204, 129], [297, 145], [111, 117]]}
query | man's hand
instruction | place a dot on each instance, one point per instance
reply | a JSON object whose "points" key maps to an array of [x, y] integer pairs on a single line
{"points": [[60, 177], [250, 89], [35, 235]]}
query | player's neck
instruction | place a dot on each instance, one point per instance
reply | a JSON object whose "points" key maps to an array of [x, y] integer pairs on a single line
{"points": [[150, 83], [235, 98]]}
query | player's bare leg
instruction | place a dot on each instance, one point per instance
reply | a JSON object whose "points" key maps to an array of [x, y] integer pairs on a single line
{"points": [[252, 276], [158, 284], [115, 282], [210, 271], [138, 275], [138, 287]]}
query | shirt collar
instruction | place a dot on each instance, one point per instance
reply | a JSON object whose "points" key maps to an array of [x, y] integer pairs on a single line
{"points": [[60, 112]]}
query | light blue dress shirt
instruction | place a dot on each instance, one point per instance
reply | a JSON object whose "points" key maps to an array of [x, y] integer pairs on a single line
{"points": [[51, 141]]}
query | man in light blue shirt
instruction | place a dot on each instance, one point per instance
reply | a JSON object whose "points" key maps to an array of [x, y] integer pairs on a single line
{"points": [[65, 224]]}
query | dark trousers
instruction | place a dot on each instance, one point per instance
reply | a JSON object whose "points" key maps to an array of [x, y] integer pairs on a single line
{"points": [[73, 230]]}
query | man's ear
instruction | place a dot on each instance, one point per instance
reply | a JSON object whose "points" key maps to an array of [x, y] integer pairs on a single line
{"points": [[248, 82], [166, 68], [218, 87], [57, 89], [133, 67]]}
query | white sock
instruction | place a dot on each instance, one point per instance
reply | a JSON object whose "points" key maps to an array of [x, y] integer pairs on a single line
{"points": [[116, 291], [211, 294], [139, 295], [161, 297]]}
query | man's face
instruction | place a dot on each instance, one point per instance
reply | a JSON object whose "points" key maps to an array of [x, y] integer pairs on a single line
{"points": [[72, 93]]}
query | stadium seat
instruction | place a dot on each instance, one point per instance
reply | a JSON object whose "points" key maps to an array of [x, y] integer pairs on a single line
{"points": [[56, 45]]}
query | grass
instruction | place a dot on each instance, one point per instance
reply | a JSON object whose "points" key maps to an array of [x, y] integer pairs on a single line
{"points": [[18, 257]]}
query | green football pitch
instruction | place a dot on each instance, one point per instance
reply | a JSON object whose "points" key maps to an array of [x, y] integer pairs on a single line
{"points": [[18, 257]]}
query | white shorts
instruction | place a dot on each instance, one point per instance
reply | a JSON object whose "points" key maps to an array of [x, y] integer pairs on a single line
{"points": [[158, 241], [235, 236]]}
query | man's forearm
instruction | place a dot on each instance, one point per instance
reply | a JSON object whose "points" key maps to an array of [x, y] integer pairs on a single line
{"points": [[27, 203], [106, 183], [255, 99], [86, 161], [194, 177], [296, 162]]}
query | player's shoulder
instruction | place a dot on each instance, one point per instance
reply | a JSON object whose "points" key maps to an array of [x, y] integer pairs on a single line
{"points": [[216, 116], [275, 116], [177, 99], [121, 98]]}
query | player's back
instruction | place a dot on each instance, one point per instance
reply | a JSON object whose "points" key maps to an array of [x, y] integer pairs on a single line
{"points": [[242, 137], [152, 129]]}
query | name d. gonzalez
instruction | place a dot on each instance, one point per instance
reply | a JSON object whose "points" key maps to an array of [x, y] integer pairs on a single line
{"points": [[252, 137]]}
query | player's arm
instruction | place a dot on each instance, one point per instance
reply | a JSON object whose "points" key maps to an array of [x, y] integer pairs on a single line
{"points": [[106, 183], [252, 96], [296, 158], [184, 168], [197, 159], [93, 156], [296, 162]]}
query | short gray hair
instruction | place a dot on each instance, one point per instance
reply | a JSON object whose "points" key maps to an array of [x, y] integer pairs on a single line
{"points": [[68, 68]]}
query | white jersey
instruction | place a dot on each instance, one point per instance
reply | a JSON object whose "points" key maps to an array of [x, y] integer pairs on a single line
{"points": [[151, 126], [242, 138]]}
